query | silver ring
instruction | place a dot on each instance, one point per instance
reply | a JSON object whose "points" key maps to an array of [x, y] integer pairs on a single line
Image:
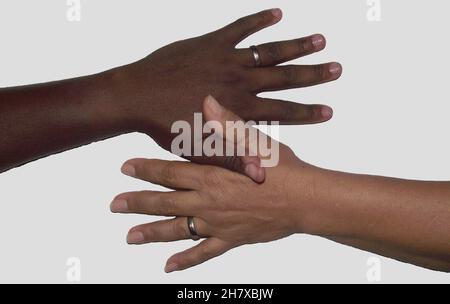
{"points": [[192, 228], [256, 55]]}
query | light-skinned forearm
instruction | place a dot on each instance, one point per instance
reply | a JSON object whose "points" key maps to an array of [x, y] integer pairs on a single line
{"points": [[403, 219]]}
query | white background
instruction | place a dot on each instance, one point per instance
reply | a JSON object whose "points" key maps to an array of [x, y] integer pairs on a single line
{"points": [[391, 118]]}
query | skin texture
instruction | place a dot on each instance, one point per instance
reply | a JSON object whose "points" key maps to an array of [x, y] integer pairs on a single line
{"points": [[402, 219], [167, 86]]}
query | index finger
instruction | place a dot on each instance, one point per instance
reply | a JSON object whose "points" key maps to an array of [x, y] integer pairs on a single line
{"points": [[246, 26], [170, 174]]}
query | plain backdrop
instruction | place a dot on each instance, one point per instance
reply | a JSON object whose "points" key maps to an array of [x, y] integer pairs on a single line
{"points": [[391, 118]]}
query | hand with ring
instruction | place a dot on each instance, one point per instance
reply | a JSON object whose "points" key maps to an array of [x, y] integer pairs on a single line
{"points": [[169, 84], [401, 219], [224, 208]]}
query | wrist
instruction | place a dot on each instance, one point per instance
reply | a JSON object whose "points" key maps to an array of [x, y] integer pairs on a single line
{"points": [[124, 102], [108, 106], [327, 211], [309, 195]]}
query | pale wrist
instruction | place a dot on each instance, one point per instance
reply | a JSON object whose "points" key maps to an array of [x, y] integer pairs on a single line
{"points": [[311, 188]]}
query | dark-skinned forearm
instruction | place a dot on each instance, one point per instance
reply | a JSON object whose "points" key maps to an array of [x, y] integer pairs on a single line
{"points": [[43, 119]]}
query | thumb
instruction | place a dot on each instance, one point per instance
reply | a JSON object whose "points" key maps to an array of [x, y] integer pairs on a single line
{"points": [[247, 165]]}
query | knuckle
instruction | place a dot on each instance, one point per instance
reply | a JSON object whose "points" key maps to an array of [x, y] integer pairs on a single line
{"points": [[179, 228], [287, 111], [205, 253], [241, 22], [212, 178], [274, 52], [304, 114], [290, 75], [308, 113], [303, 45], [168, 173], [168, 205], [264, 17], [319, 71], [158, 204], [185, 261], [245, 23]]}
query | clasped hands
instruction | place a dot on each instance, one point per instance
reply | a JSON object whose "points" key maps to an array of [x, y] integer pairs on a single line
{"points": [[227, 199], [229, 209]]}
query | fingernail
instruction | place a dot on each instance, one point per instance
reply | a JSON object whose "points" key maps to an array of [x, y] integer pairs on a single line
{"points": [[318, 42], [252, 171], [119, 206], [326, 112], [214, 105], [277, 13], [135, 237], [335, 69], [261, 175], [171, 267], [128, 170]]}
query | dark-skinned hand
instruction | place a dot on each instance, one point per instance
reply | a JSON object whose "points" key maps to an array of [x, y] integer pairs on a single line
{"points": [[170, 84]]}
